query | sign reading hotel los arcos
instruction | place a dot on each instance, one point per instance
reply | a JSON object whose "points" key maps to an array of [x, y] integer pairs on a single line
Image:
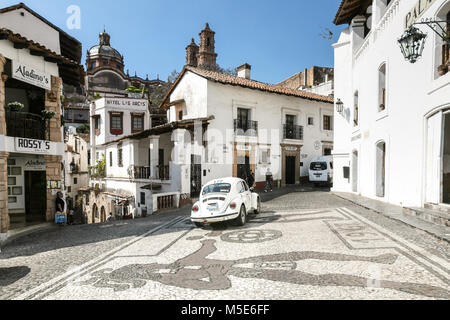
{"points": [[33, 146], [31, 75]]}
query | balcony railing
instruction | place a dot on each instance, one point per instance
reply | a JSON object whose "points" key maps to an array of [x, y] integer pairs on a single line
{"points": [[293, 132], [26, 125], [144, 173], [163, 173], [246, 128]]}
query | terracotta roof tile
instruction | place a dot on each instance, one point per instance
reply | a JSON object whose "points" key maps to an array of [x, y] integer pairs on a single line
{"points": [[6, 34], [252, 84]]}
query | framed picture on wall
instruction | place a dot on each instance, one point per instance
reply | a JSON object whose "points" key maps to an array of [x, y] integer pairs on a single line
{"points": [[12, 181], [17, 191], [16, 171]]}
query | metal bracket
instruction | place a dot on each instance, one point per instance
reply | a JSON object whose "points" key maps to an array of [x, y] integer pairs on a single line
{"points": [[437, 28]]}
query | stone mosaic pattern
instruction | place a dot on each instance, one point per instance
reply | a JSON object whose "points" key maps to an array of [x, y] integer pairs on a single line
{"points": [[291, 254]]}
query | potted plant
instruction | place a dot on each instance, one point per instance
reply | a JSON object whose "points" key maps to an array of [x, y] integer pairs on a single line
{"points": [[15, 106], [442, 69], [47, 115]]}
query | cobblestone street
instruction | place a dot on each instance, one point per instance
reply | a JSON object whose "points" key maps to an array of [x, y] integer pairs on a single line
{"points": [[304, 245]]}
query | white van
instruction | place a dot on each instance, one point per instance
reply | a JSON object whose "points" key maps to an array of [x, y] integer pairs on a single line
{"points": [[321, 170]]}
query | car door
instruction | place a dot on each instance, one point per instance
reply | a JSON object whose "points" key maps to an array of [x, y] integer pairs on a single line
{"points": [[247, 196]]}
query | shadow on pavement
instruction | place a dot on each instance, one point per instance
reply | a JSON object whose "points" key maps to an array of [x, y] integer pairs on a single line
{"points": [[10, 275], [71, 237]]}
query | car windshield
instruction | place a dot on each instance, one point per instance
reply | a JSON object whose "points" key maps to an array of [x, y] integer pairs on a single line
{"points": [[318, 166], [217, 188]]}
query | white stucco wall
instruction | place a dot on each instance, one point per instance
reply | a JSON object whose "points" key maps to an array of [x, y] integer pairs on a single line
{"points": [[31, 28], [222, 102], [413, 92]]}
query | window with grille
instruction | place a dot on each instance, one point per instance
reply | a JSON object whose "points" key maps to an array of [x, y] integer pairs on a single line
{"points": [[382, 87], [116, 123], [120, 156], [356, 110], [137, 123], [327, 123]]}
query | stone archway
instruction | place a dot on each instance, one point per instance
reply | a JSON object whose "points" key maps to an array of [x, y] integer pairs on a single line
{"points": [[103, 214], [94, 213]]}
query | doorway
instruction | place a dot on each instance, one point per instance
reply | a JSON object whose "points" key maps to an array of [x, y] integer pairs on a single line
{"points": [[446, 160], [103, 214], [243, 166], [94, 213], [290, 169], [355, 171], [196, 176], [381, 169], [35, 196]]}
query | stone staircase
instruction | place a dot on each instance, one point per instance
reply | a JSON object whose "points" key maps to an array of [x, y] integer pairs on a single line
{"points": [[436, 214]]}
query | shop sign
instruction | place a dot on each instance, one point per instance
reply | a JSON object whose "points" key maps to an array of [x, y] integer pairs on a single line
{"points": [[53, 184], [110, 102], [33, 146], [416, 12], [293, 149], [31, 75], [35, 165], [243, 148]]}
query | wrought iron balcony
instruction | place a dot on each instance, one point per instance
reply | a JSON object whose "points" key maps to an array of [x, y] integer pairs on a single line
{"points": [[26, 125], [293, 132], [246, 128]]}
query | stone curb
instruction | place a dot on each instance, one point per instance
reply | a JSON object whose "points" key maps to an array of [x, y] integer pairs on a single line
{"points": [[439, 236]]}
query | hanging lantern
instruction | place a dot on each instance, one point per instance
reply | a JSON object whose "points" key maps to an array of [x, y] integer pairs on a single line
{"points": [[412, 44], [339, 106]]}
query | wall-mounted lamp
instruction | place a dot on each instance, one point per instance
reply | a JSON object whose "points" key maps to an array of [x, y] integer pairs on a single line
{"points": [[412, 41], [339, 106]]}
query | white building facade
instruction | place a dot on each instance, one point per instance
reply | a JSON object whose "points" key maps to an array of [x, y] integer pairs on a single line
{"points": [[120, 173], [76, 169], [255, 127], [33, 68], [392, 139]]}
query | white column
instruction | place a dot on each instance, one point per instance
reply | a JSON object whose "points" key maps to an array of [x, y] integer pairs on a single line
{"points": [[154, 155]]}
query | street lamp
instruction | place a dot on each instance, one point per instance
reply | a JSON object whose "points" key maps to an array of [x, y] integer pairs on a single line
{"points": [[413, 40], [412, 44], [339, 106]]}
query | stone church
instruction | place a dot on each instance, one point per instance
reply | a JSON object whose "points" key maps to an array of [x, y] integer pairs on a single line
{"points": [[203, 57]]}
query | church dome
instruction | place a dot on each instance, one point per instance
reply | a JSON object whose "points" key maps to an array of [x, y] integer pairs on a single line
{"points": [[104, 52]]}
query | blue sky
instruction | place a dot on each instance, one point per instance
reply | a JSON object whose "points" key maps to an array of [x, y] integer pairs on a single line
{"points": [[278, 38]]}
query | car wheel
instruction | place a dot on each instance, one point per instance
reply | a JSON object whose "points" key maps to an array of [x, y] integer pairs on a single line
{"points": [[242, 218], [198, 224], [258, 208]]}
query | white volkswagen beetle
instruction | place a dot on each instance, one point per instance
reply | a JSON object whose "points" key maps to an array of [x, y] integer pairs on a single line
{"points": [[224, 200]]}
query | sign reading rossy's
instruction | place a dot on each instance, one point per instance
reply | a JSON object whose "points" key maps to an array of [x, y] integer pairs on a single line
{"points": [[34, 146], [31, 75]]}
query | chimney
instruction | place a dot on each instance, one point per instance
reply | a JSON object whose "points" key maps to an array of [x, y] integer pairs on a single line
{"points": [[244, 71]]}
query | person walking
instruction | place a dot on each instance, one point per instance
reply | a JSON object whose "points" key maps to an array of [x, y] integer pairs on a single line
{"points": [[269, 181]]}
